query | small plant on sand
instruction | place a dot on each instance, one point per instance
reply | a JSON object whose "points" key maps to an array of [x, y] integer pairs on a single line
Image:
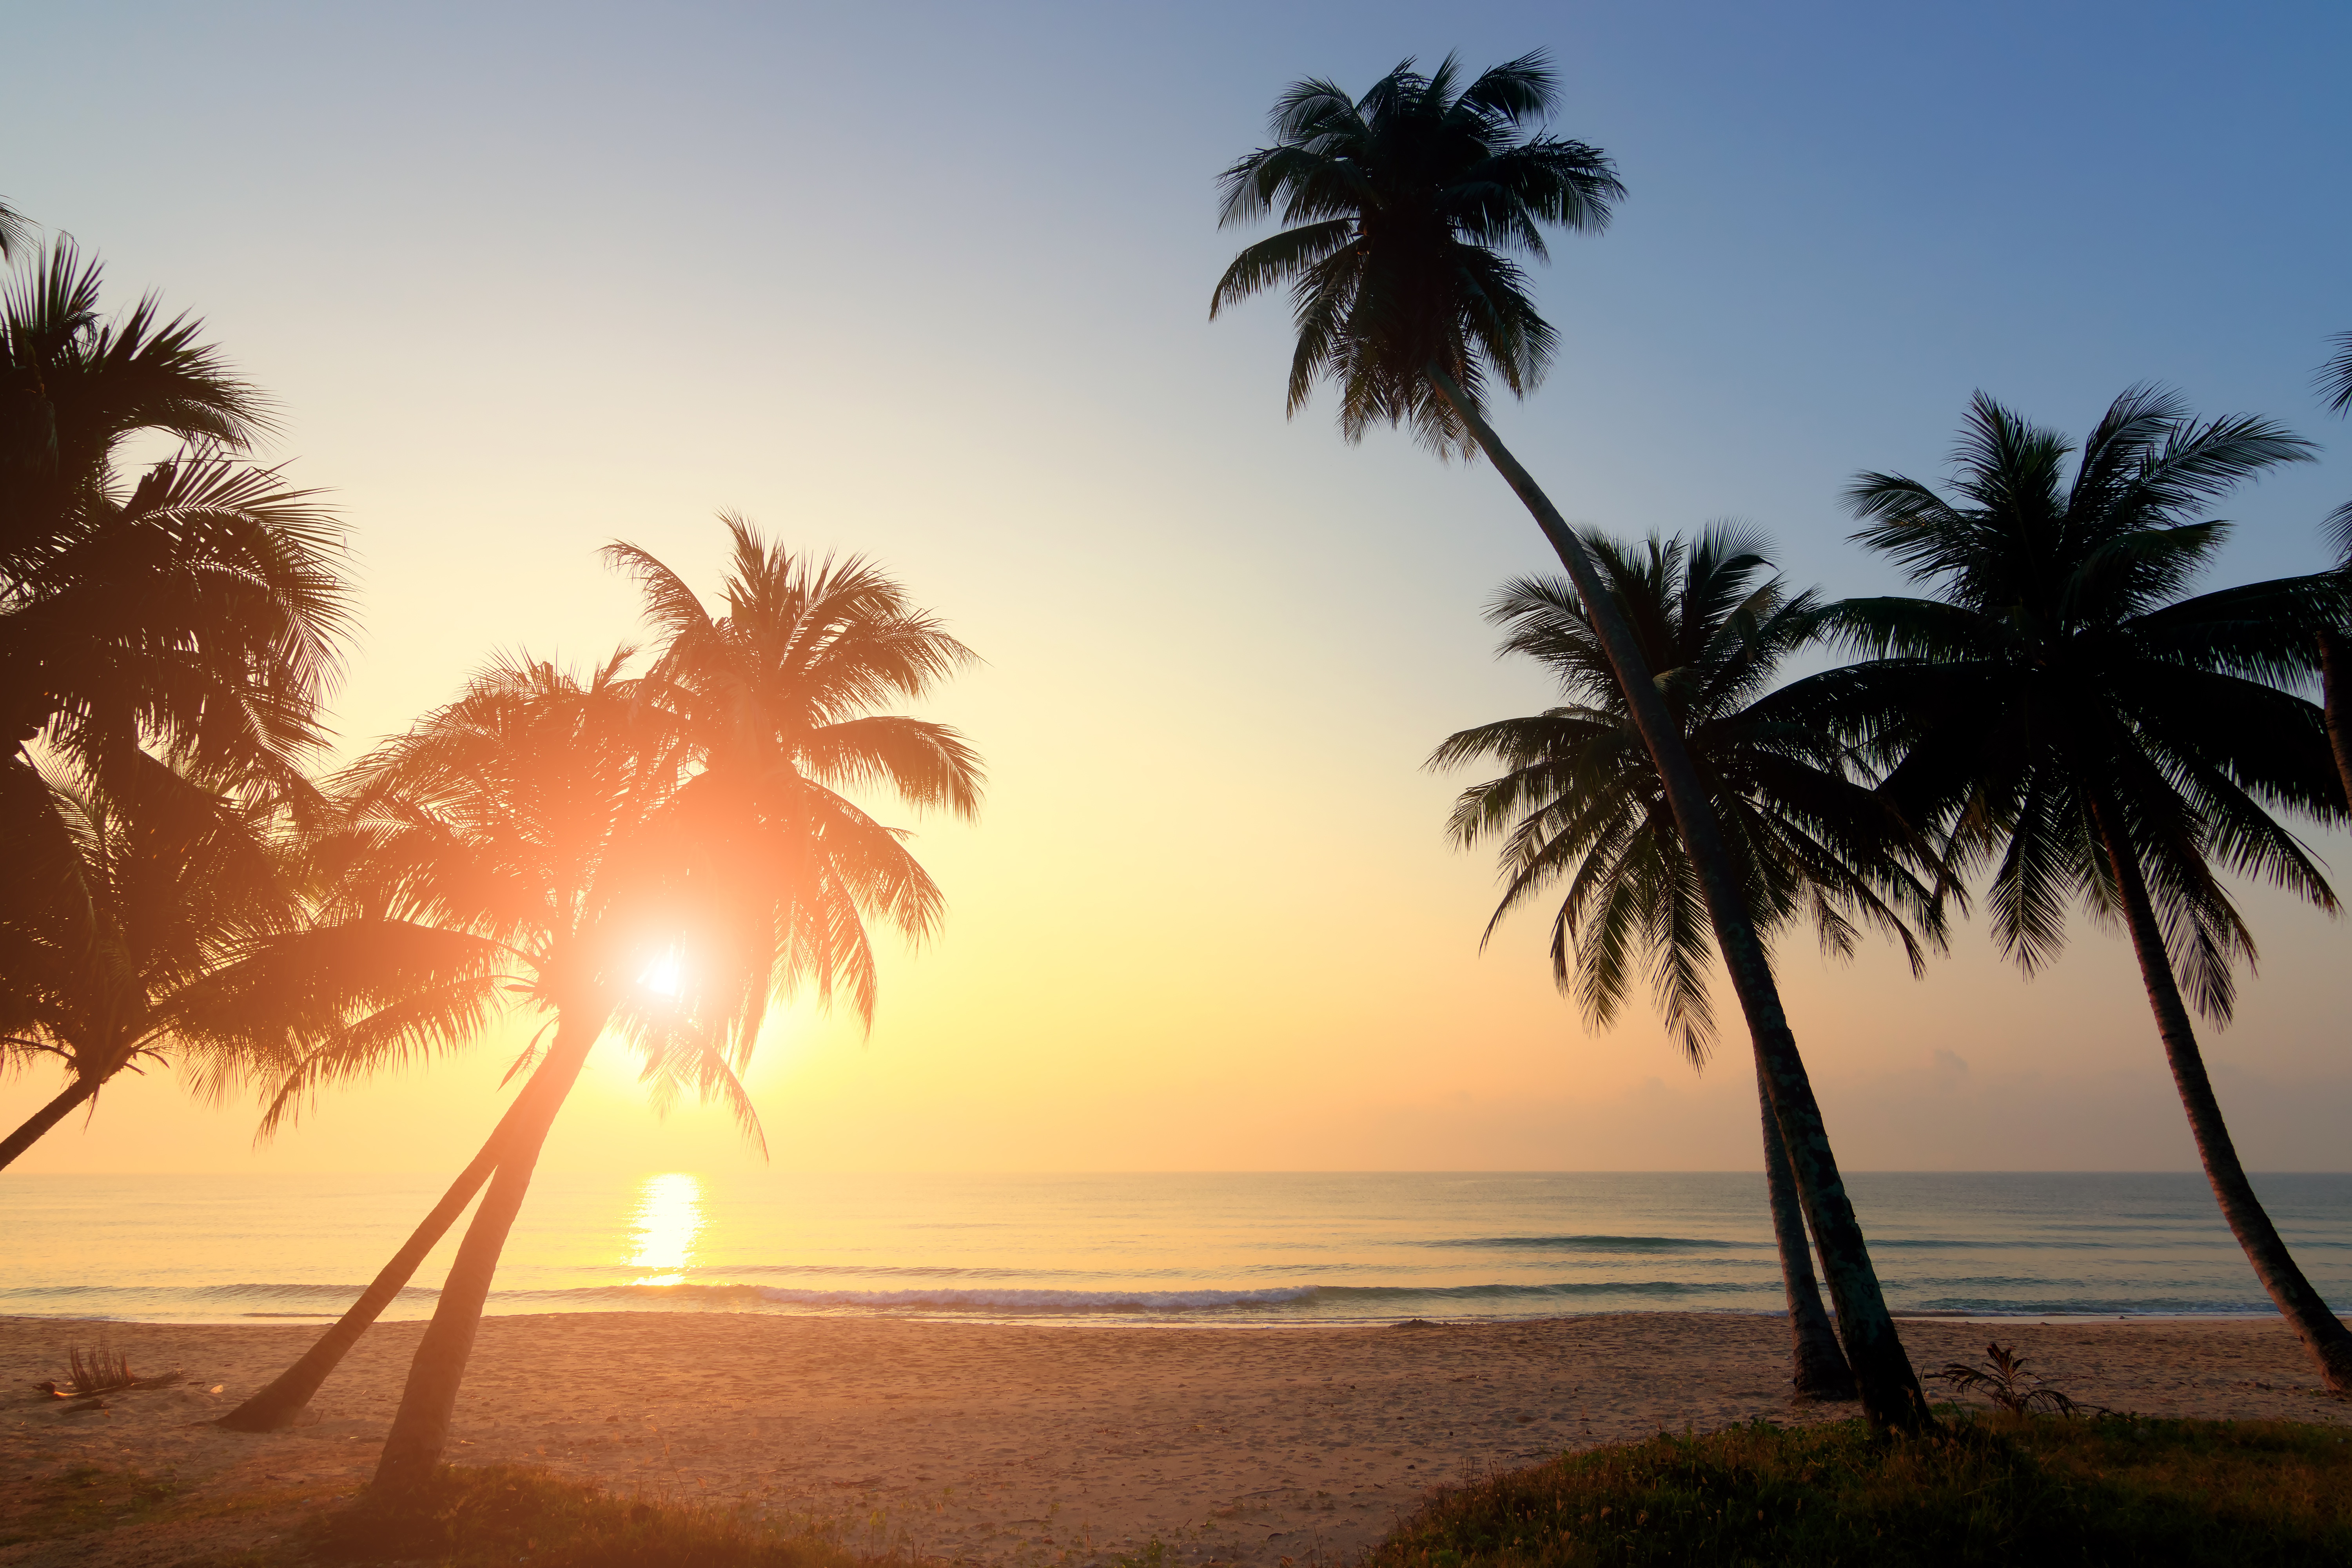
{"points": [[102, 1370], [2004, 1380]]}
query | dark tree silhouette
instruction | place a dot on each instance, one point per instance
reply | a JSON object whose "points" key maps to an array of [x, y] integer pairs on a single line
{"points": [[2062, 714], [1401, 211], [1580, 810]]}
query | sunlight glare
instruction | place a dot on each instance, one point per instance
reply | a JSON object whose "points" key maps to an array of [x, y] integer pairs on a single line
{"points": [[666, 975], [668, 1218]]}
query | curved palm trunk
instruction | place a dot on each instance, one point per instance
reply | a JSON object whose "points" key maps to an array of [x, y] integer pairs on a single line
{"points": [[2339, 729], [277, 1405], [420, 1430], [1890, 1392], [2321, 1332], [1817, 1367], [49, 1116]]}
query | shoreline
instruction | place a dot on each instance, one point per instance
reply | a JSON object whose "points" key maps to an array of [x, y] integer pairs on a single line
{"points": [[1004, 1444]]}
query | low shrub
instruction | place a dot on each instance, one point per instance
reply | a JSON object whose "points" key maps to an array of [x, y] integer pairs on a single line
{"points": [[474, 1518], [1989, 1489]]}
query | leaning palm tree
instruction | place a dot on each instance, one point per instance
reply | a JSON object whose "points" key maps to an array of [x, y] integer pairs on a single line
{"points": [[1580, 804], [1401, 208], [114, 959], [2062, 714], [709, 825]]}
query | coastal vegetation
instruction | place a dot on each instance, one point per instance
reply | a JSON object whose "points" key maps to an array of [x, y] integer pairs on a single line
{"points": [[167, 643], [1400, 208], [1987, 1490], [1580, 805]]}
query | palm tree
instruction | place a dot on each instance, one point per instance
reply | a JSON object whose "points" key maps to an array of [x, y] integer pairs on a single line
{"points": [[2062, 713], [116, 953], [631, 810], [194, 614], [1580, 803], [2335, 387], [1400, 209]]}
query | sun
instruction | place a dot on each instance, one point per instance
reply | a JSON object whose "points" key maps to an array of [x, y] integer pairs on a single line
{"points": [[666, 975]]}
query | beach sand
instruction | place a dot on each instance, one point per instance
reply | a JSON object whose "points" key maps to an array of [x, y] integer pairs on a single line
{"points": [[1012, 1444]]}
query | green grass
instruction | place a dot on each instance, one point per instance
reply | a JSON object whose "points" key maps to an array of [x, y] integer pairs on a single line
{"points": [[1990, 1491], [80, 1499], [471, 1518]]}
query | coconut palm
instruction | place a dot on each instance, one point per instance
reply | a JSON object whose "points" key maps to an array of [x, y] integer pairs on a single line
{"points": [[193, 613], [2063, 715], [1404, 211], [1580, 804], [690, 813], [112, 958]]}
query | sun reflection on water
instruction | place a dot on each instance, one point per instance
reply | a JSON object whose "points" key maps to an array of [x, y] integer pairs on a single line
{"points": [[668, 1218]]}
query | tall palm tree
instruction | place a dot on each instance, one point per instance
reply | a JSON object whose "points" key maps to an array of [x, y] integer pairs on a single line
{"points": [[117, 956], [1401, 208], [2062, 713], [2336, 388], [1580, 803], [704, 821]]}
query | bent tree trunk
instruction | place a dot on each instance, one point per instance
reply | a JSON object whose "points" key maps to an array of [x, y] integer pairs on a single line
{"points": [[420, 1429], [49, 1116], [1890, 1392], [2321, 1332], [2332, 664], [277, 1405], [1817, 1367]]}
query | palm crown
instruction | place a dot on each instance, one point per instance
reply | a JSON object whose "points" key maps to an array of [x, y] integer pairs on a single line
{"points": [[1404, 211], [1583, 803], [2061, 673]]}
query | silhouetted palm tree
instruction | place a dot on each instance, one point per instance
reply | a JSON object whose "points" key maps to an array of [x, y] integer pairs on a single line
{"points": [[193, 614], [118, 955], [1400, 208], [691, 812], [1580, 805], [2063, 715]]}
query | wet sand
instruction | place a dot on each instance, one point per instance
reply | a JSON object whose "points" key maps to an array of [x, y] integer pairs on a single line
{"points": [[1008, 1444]]}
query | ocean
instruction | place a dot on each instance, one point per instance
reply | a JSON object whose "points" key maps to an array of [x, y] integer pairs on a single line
{"points": [[1151, 1249]]}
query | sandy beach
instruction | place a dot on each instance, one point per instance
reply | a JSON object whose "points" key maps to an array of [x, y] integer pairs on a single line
{"points": [[994, 1444]]}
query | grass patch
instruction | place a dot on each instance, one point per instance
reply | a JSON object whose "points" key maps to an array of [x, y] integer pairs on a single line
{"points": [[474, 1518], [78, 1500], [1993, 1490]]}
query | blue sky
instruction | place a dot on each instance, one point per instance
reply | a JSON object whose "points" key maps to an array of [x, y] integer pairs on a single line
{"points": [[931, 282]]}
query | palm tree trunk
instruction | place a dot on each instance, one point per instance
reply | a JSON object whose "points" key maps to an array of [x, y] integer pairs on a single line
{"points": [[1817, 1367], [2339, 730], [276, 1406], [420, 1429], [49, 1116], [2321, 1332], [1891, 1396]]}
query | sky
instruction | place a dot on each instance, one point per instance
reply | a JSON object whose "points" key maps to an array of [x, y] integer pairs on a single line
{"points": [[930, 284]]}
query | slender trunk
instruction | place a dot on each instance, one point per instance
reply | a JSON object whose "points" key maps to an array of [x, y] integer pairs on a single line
{"points": [[2321, 1332], [2339, 729], [49, 1116], [420, 1429], [1890, 1392], [1817, 1367], [277, 1405]]}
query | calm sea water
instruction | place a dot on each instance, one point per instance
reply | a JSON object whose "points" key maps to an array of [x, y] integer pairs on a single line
{"points": [[1151, 1249]]}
